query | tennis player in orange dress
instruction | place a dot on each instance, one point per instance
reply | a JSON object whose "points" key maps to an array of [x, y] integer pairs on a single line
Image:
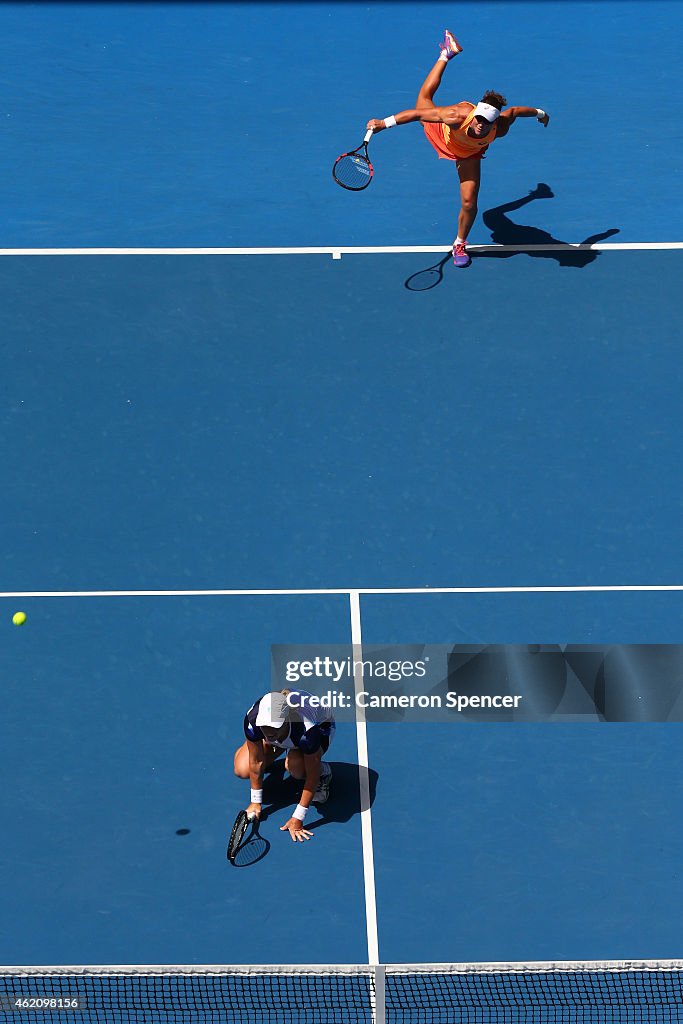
{"points": [[462, 132]]}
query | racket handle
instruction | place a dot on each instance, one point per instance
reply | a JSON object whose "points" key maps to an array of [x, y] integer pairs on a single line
{"points": [[368, 135]]}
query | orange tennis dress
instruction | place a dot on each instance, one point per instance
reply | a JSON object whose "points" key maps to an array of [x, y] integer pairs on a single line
{"points": [[455, 143]]}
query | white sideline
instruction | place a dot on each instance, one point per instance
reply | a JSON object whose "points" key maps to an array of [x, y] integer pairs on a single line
{"points": [[346, 591], [496, 967], [336, 251]]}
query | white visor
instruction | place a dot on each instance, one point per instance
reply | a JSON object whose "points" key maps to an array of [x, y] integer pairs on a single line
{"points": [[486, 111], [273, 710]]}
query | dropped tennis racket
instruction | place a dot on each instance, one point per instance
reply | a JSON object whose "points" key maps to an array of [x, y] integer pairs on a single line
{"points": [[242, 823], [353, 170]]}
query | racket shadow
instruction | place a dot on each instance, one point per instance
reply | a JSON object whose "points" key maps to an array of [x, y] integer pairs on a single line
{"points": [[424, 280], [252, 850]]}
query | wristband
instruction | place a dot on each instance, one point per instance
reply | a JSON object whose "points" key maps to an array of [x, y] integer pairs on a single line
{"points": [[257, 796], [300, 813], [389, 122], [540, 114]]}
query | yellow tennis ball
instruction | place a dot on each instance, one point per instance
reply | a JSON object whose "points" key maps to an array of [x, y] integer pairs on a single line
{"points": [[19, 618]]}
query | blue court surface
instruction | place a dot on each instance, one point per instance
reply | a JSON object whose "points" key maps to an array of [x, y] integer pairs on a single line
{"points": [[321, 432]]}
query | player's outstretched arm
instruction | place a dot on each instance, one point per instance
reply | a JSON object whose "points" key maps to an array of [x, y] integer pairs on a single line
{"points": [[514, 112], [432, 115]]}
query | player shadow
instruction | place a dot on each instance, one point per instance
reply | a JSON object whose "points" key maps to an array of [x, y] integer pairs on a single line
{"points": [[507, 232], [344, 802]]}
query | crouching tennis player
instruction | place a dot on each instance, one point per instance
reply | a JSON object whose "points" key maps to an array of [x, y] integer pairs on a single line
{"points": [[462, 132], [285, 721]]}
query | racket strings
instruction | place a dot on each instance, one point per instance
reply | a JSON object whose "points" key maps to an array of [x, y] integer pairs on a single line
{"points": [[353, 171]]}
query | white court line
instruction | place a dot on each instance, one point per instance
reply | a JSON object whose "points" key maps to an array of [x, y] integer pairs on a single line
{"points": [[344, 591], [364, 783], [475, 967], [336, 251]]}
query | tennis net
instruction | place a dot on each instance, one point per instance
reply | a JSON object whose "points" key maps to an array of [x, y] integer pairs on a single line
{"points": [[610, 992]]}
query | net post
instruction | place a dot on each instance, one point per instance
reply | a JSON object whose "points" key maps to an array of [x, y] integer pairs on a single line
{"points": [[380, 1014]]}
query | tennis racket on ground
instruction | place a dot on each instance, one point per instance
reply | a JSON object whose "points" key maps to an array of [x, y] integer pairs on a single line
{"points": [[242, 822], [353, 170]]}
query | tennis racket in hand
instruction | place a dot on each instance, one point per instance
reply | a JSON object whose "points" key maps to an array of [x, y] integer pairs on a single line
{"points": [[353, 170], [242, 822]]}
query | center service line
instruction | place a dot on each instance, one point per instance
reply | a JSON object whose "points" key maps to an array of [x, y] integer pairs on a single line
{"points": [[364, 783]]}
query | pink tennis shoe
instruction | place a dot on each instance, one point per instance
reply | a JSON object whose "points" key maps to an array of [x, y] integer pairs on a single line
{"points": [[460, 257], [450, 47]]}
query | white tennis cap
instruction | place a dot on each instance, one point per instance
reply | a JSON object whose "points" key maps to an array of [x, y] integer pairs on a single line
{"points": [[273, 710], [486, 111]]}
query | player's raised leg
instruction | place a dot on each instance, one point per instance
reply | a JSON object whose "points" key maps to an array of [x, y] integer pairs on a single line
{"points": [[450, 47]]}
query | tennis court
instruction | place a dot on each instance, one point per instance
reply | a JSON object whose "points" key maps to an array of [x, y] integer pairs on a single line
{"points": [[242, 408]]}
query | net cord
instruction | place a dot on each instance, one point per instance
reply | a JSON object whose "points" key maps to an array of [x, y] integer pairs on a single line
{"points": [[367, 970]]}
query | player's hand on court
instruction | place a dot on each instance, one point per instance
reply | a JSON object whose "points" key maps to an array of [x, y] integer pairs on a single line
{"points": [[296, 830], [544, 120], [377, 126], [254, 811]]}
